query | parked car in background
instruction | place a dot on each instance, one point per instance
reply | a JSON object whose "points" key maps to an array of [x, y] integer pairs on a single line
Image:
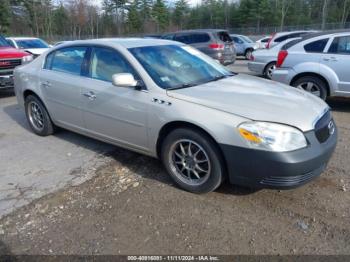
{"points": [[9, 59], [262, 43], [153, 36], [169, 100], [263, 61], [318, 63], [244, 45], [282, 36], [32, 45], [213, 42]]}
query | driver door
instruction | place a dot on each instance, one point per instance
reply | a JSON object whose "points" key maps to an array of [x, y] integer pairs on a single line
{"points": [[116, 114]]}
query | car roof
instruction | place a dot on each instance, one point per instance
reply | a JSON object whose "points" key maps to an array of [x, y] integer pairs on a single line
{"points": [[22, 38], [124, 42], [278, 34], [201, 30], [314, 35]]}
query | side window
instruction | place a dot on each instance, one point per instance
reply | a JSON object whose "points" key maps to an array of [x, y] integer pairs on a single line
{"points": [[186, 39], [106, 62], [340, 45], [316, 46], [200, 38], [265, 40], [68, 60], [237, 40], [168, 37]]}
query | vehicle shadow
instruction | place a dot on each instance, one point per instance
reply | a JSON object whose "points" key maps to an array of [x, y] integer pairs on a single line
{"points": [[141, 165], [339, 104]]}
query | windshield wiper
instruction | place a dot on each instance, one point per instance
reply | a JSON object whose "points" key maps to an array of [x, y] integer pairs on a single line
{"points": [[181, 86], [217, 78]]}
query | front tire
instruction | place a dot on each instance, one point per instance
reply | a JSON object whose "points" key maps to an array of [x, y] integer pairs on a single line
{"points": [[193, 160], [38, 117], [313, 85]]}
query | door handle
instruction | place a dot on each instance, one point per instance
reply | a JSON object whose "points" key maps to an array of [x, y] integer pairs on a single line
{"points": [[91, 95], [332, 59], [46, 84]]}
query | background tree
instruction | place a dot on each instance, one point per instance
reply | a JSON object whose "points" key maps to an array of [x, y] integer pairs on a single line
{"points": [[160, 15], [4, 16]]}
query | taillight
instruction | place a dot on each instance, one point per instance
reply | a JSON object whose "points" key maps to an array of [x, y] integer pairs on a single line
{"points": [[270, 40], [216, 46], [252, 58], [282, 55]]}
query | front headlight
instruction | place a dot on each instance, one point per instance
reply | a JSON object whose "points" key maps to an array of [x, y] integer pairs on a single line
{"points": [[27, 59], [272, 137]]}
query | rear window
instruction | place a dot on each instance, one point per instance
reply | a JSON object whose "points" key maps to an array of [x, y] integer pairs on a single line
{"points": [[316, 46], [224, 36], [285, 37]]}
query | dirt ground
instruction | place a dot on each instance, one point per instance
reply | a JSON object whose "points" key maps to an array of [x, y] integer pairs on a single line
{"points": [[132, 207]]}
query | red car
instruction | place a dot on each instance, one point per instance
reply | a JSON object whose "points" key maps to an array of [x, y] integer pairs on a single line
{"points": [[9, 59]]}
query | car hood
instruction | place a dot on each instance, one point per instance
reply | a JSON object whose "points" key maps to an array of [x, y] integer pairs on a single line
{"points": [[10, 52], [257, 99], [36, 51]]}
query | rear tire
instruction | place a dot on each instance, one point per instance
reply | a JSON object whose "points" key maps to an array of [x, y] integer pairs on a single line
{"points": [[38, 117], [269, 70], [313, 85], [192, 160]]}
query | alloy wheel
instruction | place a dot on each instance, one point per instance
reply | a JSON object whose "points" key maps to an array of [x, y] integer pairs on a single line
{"points": [[269, 70], [189, 162], [310, 87], [36, 116]]}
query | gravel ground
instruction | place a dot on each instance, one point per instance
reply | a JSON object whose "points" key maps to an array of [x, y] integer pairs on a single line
{"points": [[130, 206]]}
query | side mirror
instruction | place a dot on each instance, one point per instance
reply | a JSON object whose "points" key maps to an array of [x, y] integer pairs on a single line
{"points": [[124, 80]]}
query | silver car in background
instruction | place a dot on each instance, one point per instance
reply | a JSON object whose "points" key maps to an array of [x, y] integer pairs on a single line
{"points": [[279, 37], [215, 43], [244, 45], [318, 63], [263, 61], [168, 100]]}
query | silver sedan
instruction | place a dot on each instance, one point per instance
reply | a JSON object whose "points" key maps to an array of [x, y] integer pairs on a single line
{"points": [[168, 100], [263, 61]]}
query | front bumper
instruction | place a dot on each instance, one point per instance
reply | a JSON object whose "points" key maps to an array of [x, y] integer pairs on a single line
{"points": [[256, 67], [6, 81], [262, 169]]}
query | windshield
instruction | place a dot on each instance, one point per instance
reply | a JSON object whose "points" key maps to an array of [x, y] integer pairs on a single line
{"points": [[173, 66], [247, 39], [3, 42], [31, 43]]}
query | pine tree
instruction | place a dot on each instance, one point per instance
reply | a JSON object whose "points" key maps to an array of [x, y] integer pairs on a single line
{"points": [[4, 16], [160, 15]]}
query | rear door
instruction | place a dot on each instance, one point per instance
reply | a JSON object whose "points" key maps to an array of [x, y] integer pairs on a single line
{"points": [[116, 114], [338, 59], [60, 84]]}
